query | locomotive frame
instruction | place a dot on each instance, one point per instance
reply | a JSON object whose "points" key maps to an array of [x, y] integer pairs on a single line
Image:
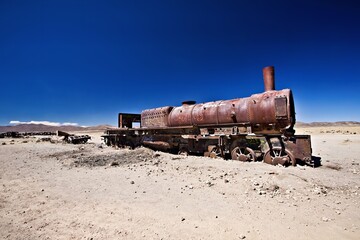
{"points": [[256, 128]]}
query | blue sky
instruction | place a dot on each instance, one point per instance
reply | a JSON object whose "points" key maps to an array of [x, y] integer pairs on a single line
{"points": [[85, 61]]}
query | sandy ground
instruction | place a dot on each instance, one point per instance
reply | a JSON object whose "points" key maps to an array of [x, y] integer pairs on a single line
{"points": [[51, 190]]}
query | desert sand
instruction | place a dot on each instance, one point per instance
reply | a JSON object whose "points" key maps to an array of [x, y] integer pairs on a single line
{"points": [[52, 190]]}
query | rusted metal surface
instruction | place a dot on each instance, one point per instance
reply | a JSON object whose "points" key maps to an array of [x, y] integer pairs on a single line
{"points": [[181, 116], [269, 112], [243, 154], [258, 127], [158, 145], [72, 138], [279, 156], [269, 78], [126, 120], [62, 133], [300, 147], [272, 111], [75, 139], [157, 117]]}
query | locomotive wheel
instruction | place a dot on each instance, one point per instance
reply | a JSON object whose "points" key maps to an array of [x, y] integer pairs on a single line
{"points": [[243, 154], [277, 155], [214, 152]]}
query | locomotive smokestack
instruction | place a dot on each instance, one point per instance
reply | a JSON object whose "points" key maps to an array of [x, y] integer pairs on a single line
{"points": [[269, 78]]}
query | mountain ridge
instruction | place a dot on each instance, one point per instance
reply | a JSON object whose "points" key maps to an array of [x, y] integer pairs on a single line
{"points": [[48, 128], [328, 124]]}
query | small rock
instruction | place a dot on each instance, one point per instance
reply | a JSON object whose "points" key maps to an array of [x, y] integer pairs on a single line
{"points": [[242, 237], [114, 163], [132, 182], [226, 180], [209, 183], [4, 143], [182, 219], [325, 219]]}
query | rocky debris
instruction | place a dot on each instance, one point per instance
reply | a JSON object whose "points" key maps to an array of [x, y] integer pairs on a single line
{"points": [[267, 188], [320, 190], [114, 163], [15, 134], [209, 183], [338, 132]]}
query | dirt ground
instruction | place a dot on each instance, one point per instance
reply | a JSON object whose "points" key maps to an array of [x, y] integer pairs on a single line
{"points": [[52, 190]]}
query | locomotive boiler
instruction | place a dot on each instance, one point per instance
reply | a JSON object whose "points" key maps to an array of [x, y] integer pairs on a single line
{"points": [[259, 127]]}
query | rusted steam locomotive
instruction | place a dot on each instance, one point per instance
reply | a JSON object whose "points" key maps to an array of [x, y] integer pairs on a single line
{"points": [[259, 127]]}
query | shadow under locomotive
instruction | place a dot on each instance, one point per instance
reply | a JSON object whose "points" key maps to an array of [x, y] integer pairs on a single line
{"points": [[259, 127]]}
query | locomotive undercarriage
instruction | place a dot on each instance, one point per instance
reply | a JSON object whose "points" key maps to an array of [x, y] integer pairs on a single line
{"points": [[226, 143]]}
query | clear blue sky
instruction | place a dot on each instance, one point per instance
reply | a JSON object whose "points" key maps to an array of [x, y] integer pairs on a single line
{"points": [[85, 61]]}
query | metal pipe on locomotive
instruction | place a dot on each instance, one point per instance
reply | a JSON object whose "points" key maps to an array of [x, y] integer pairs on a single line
{"points": [[259, 127]]}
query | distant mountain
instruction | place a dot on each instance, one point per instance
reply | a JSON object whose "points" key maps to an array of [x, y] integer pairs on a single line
{"points": [[47, 128], [329, 124], [99, 127]]}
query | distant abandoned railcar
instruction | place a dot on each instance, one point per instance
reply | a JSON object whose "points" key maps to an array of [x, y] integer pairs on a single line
{"points": [[259, 127]]}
